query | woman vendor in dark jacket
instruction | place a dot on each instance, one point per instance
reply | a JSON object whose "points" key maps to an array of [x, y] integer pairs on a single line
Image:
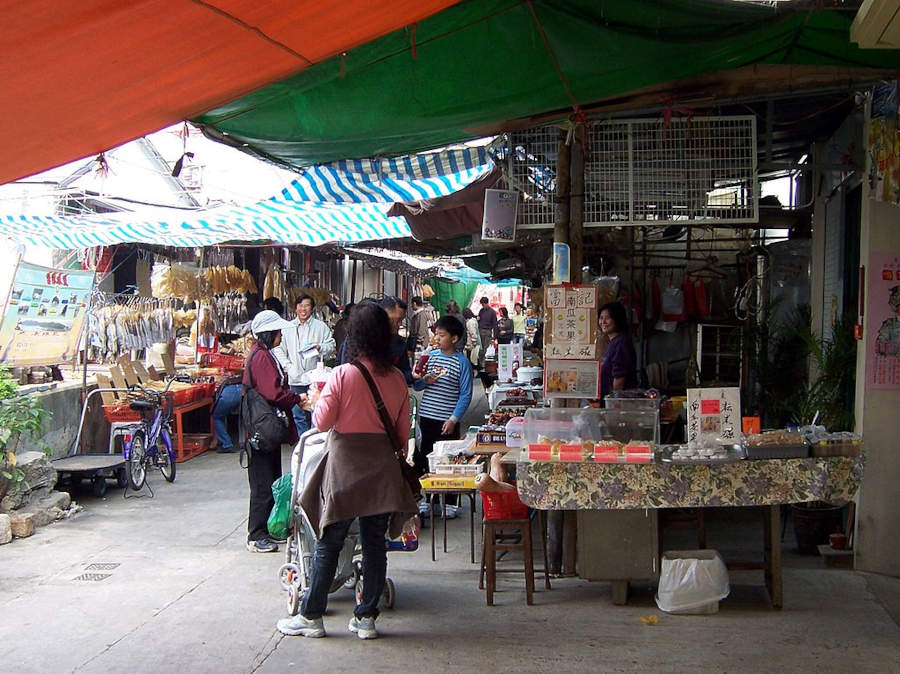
{"points": [[263, 373]]}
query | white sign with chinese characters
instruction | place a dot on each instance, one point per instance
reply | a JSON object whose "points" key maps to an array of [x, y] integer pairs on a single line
{"points": [[509, 358], [713, 414], [571, 314]]}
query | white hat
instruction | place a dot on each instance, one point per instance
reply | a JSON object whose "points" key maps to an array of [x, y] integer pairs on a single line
{"points": [[266, 321]]}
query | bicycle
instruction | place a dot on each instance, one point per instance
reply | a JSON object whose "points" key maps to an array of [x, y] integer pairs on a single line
{"points": [[150, 443]]}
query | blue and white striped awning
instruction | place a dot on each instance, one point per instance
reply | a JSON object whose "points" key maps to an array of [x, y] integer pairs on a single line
{"points": [[423, 176], [342, 202], [287, 223]]}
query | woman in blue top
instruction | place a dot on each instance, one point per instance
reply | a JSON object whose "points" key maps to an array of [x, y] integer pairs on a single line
{"points": [[619, 362]]}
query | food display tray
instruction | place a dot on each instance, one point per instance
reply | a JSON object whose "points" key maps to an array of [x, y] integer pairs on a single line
{"points": [[800, 451], [734, 453]]}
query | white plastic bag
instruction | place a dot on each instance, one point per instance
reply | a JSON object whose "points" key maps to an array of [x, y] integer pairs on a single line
{"points": [[692, 581], [673, 304]]}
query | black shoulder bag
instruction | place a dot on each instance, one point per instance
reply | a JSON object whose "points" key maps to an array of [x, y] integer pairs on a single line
{"points": [[409, 474], [263, 426]]}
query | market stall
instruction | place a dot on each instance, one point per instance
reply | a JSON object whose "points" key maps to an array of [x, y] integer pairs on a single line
{"points": [[607, 465]]}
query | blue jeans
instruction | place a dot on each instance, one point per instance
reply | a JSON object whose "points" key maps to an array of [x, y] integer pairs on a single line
{"points": [[518, 338], [372, 530], [228, 403], [301, 418]]}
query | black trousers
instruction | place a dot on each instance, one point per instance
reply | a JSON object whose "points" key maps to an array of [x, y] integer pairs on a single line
{"points": [[264, 469], [431, 433]]}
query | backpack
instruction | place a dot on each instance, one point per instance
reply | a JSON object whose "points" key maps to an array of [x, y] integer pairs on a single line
{"points": [[262, 426]]}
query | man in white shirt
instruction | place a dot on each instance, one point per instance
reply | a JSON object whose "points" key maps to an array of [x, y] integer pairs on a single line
{"points": [[300, 350]]}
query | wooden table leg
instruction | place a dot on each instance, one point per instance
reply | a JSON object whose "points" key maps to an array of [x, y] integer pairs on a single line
{"points": [[620, 592], [772, 554], [471, 525], [179, 434], [431, 517]]}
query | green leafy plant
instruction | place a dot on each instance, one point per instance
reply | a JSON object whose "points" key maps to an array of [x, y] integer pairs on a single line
{"points": [[831, 392], [20, 415]]}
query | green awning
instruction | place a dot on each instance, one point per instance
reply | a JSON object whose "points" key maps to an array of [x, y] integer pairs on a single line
{"points": [[480, 65]]}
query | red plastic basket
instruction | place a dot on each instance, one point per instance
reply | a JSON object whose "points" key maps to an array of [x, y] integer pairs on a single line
{"points": [[503, 505], [120, 412], [222, 360]]}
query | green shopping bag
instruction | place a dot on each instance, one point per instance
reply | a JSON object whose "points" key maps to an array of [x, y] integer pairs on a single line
{"points": [[279, 522]]}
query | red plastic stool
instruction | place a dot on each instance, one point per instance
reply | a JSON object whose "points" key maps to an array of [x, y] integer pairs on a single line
{"points": [[507, 526]]}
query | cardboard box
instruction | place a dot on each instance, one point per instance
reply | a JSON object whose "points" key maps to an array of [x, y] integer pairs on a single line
{"points": [[448, 482]]}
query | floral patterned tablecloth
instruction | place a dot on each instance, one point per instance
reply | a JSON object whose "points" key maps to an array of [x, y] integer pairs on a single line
{"points": [[603, 486]]}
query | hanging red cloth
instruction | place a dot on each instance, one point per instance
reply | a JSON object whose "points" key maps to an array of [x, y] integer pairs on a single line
{"points": [[701, 297]]}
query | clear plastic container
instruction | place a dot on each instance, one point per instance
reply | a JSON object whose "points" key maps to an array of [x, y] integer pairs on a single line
{"points": [[440, 464], [569, 434], [634, 404], [514, 431]]}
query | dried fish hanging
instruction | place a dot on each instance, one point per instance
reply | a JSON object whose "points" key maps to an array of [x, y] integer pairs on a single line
{"points": [[229, 279], [230, 311], [129, 323]]}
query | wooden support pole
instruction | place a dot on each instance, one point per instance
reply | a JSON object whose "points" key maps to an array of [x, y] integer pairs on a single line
{"points": [[555, 520]]}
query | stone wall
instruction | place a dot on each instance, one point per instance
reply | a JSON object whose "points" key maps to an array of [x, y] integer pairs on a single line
{"points": [[64, 405]]}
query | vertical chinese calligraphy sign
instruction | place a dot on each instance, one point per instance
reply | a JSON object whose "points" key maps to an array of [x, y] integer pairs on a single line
{"points": [[570, 334], [883, 322], [713, 414]]}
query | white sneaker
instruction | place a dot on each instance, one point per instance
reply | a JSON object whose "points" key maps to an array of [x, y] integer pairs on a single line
{"points": [[298, 626], [364, 627]]}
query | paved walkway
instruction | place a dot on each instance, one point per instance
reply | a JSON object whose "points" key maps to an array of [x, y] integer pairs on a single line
{"points": [[181, 593]]}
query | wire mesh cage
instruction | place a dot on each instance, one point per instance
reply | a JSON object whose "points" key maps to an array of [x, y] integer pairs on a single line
{"points": [[646, 171], [530, 159]]}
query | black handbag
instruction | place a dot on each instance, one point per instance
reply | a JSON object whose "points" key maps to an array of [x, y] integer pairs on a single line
{"points": [[409, 473], [263, 426]]}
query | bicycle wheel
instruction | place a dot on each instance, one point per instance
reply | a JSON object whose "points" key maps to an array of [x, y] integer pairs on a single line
{"points": [[164, 460], [135, 469]]}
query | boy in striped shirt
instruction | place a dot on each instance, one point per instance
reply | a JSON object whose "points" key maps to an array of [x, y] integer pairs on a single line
{"points": [[447, 385]]}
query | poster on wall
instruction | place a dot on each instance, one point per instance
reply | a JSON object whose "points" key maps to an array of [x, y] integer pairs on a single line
{"points": [[713, 414], [570, 313], [43, 318], [572, 379], [509, 358], [499, 221], [883, 322]]}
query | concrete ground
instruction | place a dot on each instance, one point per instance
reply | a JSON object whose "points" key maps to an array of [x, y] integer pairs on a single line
{"points": [[181, 593]]}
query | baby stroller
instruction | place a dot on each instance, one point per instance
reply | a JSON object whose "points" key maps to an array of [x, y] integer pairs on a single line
{"points": [[301, 542]]}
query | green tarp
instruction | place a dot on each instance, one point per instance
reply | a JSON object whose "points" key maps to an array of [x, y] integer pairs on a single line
{"points": [[481, 63]]}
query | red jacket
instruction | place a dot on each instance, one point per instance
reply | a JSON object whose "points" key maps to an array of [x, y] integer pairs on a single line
{"points": [[262, 372]]}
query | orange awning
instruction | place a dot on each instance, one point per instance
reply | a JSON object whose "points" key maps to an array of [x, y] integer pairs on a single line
{"points": [[82, 77]]}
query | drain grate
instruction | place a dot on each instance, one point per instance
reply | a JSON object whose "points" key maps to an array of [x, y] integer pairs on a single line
{"points": [[93, 576], [102, 566]]}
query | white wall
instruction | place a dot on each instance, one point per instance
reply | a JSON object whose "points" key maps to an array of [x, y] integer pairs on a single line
{"points": [[878, 522]]}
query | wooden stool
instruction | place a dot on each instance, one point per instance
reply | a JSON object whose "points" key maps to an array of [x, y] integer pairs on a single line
{"points": [[511, 534]]}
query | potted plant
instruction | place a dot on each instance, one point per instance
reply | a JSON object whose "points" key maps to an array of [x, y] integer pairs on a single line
{"points": [[19, 415]]}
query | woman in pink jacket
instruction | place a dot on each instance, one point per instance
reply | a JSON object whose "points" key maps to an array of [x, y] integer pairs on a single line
{"points": [[360, 476]]}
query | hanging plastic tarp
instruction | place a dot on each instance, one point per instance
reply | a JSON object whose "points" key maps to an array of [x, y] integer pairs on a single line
{"points": [[473, 68]]}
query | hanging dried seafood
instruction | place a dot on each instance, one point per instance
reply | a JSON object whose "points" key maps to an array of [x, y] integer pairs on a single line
{"points": [[174, 281], [134, 325]]}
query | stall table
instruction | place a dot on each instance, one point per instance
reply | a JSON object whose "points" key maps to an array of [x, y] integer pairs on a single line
{"points": [[178, 413], [442, 492], [768, 483]]}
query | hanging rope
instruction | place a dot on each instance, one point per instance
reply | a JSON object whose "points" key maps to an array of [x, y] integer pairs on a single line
{"points": [[579, 113]]}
